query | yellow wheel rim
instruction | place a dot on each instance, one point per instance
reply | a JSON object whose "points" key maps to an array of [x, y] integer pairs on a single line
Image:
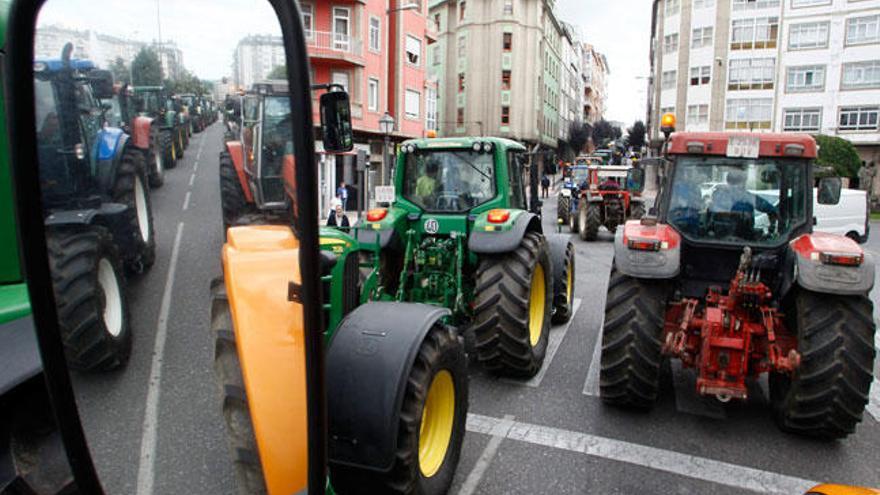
{"points": [[438, 417], [537, 301], [568, 282], [174, 152]]}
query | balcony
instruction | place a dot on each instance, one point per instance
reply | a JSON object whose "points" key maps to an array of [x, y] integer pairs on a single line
{"points": [[324, 45]]}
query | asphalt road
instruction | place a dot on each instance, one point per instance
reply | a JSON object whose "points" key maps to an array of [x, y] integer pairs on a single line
{"points": [[155, 426]]}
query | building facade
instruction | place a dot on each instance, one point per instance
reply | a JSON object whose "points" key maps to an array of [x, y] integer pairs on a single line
{"points": [[769, 65], [255, 56], [595, 72]]}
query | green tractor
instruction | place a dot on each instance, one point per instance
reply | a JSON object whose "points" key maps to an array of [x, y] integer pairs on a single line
{"points": [[193, 110], [152, 101], [460, 235]]}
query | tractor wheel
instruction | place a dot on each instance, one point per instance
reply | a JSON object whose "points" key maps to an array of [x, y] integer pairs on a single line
{"points": [[826, 395], [562, 257], [563, 208], [637, 211], [513, 306], [573, 223], [630, 364], [169, 149], [589, 220], [130, 189], [156, 160], [232, 199], [182, 143], [432, 424], [236, 412], [89, 287]]}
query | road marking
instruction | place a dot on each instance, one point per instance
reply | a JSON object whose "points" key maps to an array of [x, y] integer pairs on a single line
{"points": [[553, 342], [196, 166], [700, 468], [498, 432], [201, 145], [147, 466], [591, 384], [192, 178], [873, 406], [186, 200]]}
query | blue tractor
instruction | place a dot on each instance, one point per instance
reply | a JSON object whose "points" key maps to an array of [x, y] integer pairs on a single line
{"points": [[576, 177], [96, 202]]}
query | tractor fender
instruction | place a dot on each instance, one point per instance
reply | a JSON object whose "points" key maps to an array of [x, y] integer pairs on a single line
{"points": [[565, 192], [19, 352], [141, 129], [367, 237], [503, 241], [661, 263], [368, 362], [813, 274], [236, 152], [110, 146]]}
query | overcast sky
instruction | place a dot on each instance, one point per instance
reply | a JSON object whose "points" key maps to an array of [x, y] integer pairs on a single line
{"points": [[621, 29]]}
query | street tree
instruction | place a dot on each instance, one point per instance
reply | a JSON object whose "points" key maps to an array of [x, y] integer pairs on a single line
{"points": [[146, 69], [636, 135], [839, 154], [603, 132], [278, 72], [120, 71], [578, 136]]}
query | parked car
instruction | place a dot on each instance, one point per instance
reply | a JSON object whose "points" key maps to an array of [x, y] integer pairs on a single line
{"points": [[849, 217]]}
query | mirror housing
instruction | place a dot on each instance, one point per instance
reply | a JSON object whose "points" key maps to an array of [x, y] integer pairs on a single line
{"points": [[829, 190], [102, 84], [336, 122], [635, 180]]}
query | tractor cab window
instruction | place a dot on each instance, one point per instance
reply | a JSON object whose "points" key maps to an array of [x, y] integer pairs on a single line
{"points": [[276, 146], [113, 115], [516, 166], [611, 180], [579, 174], [449, 181], [734, 200]]}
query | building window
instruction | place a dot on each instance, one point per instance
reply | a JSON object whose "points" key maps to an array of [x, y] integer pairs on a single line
{"points": [[461, 9], [461, 82], [462, 47], [507, 42], [670, 8], [861, 30], [859, 118], [508, 7], [700, 75], [801, 119], [437, 22], [505, 115], [670, 43], [809, 3], [808, 35], [431, 109], [701, 37], [505, 80], [413, 50], [438, 54], [412, 104], [704, 4], [667, 79], [861, 75], [341, 28], [341, 78], [751, 73], [459, 117], [804, 79], [753, 4], [375, 34], [760, 32], [748, 113], [697, 115], [373, 94], [308, 17]]}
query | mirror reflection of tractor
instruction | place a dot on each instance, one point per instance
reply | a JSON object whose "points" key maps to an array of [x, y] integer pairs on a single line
{"points": [[737, 285], [153, 102], [607, 200], [460, 235]]}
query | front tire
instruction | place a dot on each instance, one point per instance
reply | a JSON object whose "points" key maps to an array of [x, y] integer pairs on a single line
{"points": [[573, 224], [630, 365], [562, 256], [156, 160], [169, 148], [89, 287], [637, 211], [563, 208], [827, 394], [232, 199], [130, 189], [431, 428], [513, 308], [589, 220]]}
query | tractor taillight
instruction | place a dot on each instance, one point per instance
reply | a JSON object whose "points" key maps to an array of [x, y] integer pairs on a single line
{"points": [[843, 259], [644, 244], [498, 216], [376, 214]]}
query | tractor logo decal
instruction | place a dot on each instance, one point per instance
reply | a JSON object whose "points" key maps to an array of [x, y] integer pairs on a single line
{"points": [[432, 226]]}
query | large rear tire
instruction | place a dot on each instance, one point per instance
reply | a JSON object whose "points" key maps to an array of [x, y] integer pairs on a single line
{"points": [[89, 286], [637, 211], [563, 208], [513, 307], [589, 220], [630, 365], [131, 190], [827, 394], [232, 199], [562, 256], [169, 147], [431, 428], [156, 159], [242, 440]]}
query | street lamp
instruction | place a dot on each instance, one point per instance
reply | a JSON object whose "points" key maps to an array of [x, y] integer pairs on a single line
{"points": [[386, 125]]}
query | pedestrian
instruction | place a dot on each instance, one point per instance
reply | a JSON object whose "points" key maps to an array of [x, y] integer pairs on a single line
{"points": [[338, 218], [342, 194], [545, 185]]}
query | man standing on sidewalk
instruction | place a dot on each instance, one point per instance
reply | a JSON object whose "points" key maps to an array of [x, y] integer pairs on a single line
{"points": [[342, 194], [545, 185]]}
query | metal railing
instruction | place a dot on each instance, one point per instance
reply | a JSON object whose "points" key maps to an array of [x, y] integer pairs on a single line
{"points": [[334, 43]]}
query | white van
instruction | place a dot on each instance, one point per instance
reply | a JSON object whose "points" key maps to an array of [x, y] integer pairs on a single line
{"points": [[849, 217]]}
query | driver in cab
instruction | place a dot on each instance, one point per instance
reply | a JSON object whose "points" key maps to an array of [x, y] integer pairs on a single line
{"points": [[426, 185], [735, 201]]}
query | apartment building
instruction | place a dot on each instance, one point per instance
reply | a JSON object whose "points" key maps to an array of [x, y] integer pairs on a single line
{"points": [[254, 58], [595, 73], [768, 65]]}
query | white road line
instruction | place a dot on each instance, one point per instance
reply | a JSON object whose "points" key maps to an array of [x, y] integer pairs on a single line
{"points": [[873, 406], [147, 466], [186, 200], [201, 145], [700, 468], [553, 343], [591, 384], [498, 432], [192, 178], [196, 166]]}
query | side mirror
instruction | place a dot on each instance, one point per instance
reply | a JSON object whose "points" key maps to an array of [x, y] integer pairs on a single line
{"points": [[635, 180], [336, 121], [102, 84], [829, 190]]}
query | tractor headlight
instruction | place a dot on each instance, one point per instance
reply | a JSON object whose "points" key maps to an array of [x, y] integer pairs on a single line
{"points": [[411, 148], [487, 147], [477, 147]]}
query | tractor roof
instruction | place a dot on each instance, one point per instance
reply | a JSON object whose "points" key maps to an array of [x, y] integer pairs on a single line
{"points": [[271, 87], [771, 144], [465, 142], [148, 88], [56, 64]]}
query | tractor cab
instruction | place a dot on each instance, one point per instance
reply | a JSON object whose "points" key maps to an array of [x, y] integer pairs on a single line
{"points": [[267, 142]]}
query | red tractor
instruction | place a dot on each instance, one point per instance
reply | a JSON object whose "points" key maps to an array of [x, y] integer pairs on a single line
{"points": [[734, 282], [607, 200]]}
